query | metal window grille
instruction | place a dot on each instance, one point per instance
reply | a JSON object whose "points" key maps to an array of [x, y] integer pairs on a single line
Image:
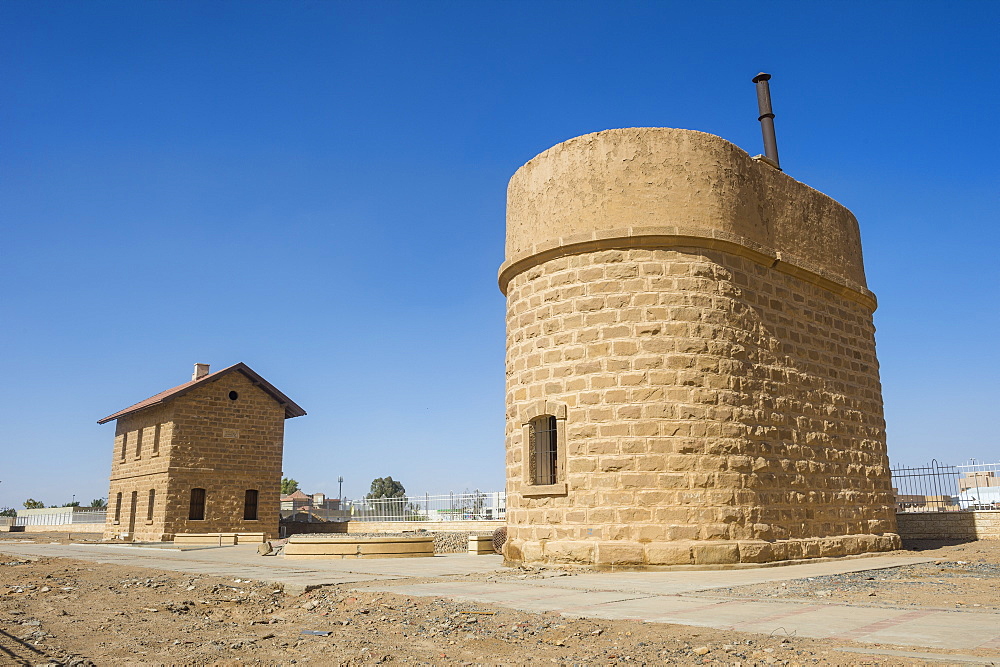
{"points": [[197, 512], [544, 450], [250, 505]]}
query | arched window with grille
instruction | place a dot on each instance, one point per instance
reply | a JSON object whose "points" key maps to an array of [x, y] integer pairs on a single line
{"points": [[543, 425], [543, 450]]}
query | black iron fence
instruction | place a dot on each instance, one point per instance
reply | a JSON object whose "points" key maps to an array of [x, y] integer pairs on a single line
{"points": [[939, 487]]}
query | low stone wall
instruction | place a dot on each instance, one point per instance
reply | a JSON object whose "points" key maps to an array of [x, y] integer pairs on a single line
{"points": [[977, 525], [218, 538], [74, 528], [288, 528], [481, 544], [327, 547], [429, 526]]}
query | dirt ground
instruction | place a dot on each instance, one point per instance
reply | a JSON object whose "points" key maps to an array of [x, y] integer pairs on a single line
{"points": [[963, 576], [56, 611]]}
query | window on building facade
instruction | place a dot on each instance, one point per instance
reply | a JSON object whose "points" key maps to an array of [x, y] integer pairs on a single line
{"points": [[543, 450], [118, 507], [124, 444], [138, 443], [156, 439], [197, 511], [149, 506], [250, 505]]}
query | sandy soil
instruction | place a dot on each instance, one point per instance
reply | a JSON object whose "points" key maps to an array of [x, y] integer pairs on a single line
{"points": [[63, 611]]}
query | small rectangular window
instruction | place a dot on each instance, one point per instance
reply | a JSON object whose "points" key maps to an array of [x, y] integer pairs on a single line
{"points": [[156, 439], [544, 450], [118, 507], [124, 444], [197, 512], [250, 505], [138, 442], [149, 506]]}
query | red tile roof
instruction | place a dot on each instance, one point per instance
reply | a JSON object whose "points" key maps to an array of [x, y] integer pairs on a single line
{"points": [[296, 495], [291, 409]]}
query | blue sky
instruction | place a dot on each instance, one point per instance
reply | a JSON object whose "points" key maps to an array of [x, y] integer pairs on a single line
{"points": [[317, 189]]}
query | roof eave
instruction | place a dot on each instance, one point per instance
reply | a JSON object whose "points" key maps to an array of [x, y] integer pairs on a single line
{"points": [[292, 409]]}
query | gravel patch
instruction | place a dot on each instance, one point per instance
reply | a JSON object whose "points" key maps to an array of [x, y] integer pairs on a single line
{"points": [[971, 586]]}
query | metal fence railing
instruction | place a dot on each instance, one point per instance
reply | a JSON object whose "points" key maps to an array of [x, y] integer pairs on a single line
{"points": [[472, 506], [938, 487], [63, 516]]}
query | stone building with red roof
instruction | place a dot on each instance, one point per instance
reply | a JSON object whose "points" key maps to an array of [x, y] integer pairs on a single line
{"points": [[295, 501], [202, 457]]}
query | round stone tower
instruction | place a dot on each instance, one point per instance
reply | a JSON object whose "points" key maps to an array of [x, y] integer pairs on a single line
{"points": [[691, 371]]}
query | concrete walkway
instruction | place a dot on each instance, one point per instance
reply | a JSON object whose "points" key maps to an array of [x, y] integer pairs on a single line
{"points": [[684, 597], [932, 628], [243, 562]]}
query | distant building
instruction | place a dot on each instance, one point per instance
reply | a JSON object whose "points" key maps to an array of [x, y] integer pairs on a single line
{"points": [[295, 501], [321, 502], [978, 480], [918, 502], [979, 490], [299, 501], [204, 456]]}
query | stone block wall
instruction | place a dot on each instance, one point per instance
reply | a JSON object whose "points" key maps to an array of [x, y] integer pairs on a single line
{"points": [[698, 327], [228, 435], [977, 525], [140, 463], [717, 411], [207, 440]]}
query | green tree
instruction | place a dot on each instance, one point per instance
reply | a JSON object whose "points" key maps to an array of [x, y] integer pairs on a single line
{"points": [[288, 485], [32, 504], [8, 511], [386, 487], [99, 502], [75, 503]]}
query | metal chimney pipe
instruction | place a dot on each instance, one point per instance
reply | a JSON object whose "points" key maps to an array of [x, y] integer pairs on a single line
{"points": [[766, 118]]}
